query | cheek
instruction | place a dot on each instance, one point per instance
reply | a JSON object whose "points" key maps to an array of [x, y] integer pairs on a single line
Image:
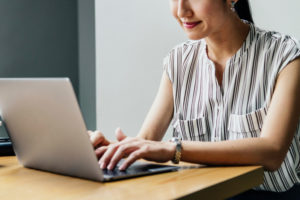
{"points": [[211, 15], [216, 11], [205, 11]]}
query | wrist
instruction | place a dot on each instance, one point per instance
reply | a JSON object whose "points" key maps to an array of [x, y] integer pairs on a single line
{"points": [[177, 154], [170, 148]]}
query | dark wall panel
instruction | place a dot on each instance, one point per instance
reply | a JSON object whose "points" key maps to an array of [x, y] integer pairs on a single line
{"points": [[38, 38]]}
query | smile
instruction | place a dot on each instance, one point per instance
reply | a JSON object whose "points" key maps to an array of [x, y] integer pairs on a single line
{"points": [[190, 25]]}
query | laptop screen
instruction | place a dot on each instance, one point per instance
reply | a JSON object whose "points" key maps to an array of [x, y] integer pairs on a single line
{"points": [[5, 144], [3, 133]]}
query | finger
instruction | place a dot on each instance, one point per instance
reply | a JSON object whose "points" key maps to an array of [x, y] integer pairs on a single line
{"points": [[89, 132], [120, 134], [120, 153], [97, 138], [132, 158], [106, 157], [100, 151]]}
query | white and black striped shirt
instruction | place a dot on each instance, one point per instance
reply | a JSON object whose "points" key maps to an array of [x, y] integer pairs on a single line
{"points": [[205, 111]]}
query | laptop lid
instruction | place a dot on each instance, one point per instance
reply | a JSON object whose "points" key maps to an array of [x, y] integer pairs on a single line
{"points": [[48, 133], [46, 126]]}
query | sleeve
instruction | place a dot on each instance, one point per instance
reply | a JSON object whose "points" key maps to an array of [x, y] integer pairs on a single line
{"points": [[287, 52], [168, 66]]}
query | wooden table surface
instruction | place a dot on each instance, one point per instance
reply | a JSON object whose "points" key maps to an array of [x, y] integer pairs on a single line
{"points": [[17, 182]]}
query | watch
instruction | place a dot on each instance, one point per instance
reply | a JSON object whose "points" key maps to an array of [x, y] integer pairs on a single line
{"points": [[177, 154]]}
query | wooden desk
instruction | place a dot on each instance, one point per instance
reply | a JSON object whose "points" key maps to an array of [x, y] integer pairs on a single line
{"points": [[17, 182]]}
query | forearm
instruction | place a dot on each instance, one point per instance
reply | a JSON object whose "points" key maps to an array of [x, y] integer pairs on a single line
{"points": [[251, 151], [160, 114], [151, 131], [150, 135], [156, 123]]}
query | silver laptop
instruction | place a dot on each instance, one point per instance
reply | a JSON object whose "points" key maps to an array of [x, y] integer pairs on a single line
{"points": [[45, 124]]}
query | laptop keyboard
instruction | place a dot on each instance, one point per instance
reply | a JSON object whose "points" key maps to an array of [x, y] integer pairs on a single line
{"points": [[138, 168], [133, 169], [115, 172]]}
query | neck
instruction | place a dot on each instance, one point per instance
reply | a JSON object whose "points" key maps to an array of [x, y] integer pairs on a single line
{"points": [[224, 43]]}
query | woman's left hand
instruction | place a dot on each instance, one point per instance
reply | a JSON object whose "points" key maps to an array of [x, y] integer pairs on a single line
{"points": [[134, 149]]}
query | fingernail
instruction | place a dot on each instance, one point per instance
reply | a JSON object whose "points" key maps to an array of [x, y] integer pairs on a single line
{"points": [[102, 166], [121, 167]]}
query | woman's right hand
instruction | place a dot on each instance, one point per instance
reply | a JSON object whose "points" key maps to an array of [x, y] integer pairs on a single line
{"points": [[97, 139], [100, 143]]}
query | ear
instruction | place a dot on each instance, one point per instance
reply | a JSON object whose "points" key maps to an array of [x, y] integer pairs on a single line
{"points": [[231, 3]]}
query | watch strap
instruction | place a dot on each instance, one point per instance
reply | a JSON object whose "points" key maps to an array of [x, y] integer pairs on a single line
{"points": [[177, 155]]}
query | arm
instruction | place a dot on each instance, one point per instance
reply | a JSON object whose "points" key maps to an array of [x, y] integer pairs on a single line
{"points": [[153, 129], [269, 150], [278, 130], [160, 114]]}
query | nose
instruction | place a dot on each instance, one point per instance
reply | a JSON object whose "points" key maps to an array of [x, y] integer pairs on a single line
{"points": [[183, 9]]}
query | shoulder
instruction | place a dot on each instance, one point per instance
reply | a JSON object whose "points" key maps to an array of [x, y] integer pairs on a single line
{"points": [[276, 49], [186, 46], [179, 54], [274, 41], [183, 50]]}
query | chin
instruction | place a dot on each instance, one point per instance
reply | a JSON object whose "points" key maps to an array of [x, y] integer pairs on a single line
{"points": [[195, 37]]}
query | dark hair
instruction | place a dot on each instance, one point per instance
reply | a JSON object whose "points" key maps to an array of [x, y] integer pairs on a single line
{"points": [[243, 10]]}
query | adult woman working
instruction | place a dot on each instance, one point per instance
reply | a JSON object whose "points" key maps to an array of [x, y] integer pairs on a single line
{"points": [[232, 94]]}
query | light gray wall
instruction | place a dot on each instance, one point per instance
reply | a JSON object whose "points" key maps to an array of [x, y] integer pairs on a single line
{"points": [[132, 38], [38, 38], [278, 15]]}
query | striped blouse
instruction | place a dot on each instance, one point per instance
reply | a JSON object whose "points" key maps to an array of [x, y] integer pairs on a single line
{"points": [[206, 111]]}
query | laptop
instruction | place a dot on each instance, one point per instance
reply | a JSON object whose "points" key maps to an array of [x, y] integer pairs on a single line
{"points": [[48, 133]]}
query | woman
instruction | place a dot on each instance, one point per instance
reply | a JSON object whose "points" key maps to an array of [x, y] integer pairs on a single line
{"points": [[232, 94]]}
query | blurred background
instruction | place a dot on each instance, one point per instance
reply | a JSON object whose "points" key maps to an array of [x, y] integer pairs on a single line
{"points": [[111, 50]]}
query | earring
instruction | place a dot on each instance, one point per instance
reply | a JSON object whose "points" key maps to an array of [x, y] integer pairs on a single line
{"points": [[232, 5]]}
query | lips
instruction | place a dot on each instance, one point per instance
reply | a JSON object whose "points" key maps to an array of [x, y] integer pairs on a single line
{"points": [[190, 25]]}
